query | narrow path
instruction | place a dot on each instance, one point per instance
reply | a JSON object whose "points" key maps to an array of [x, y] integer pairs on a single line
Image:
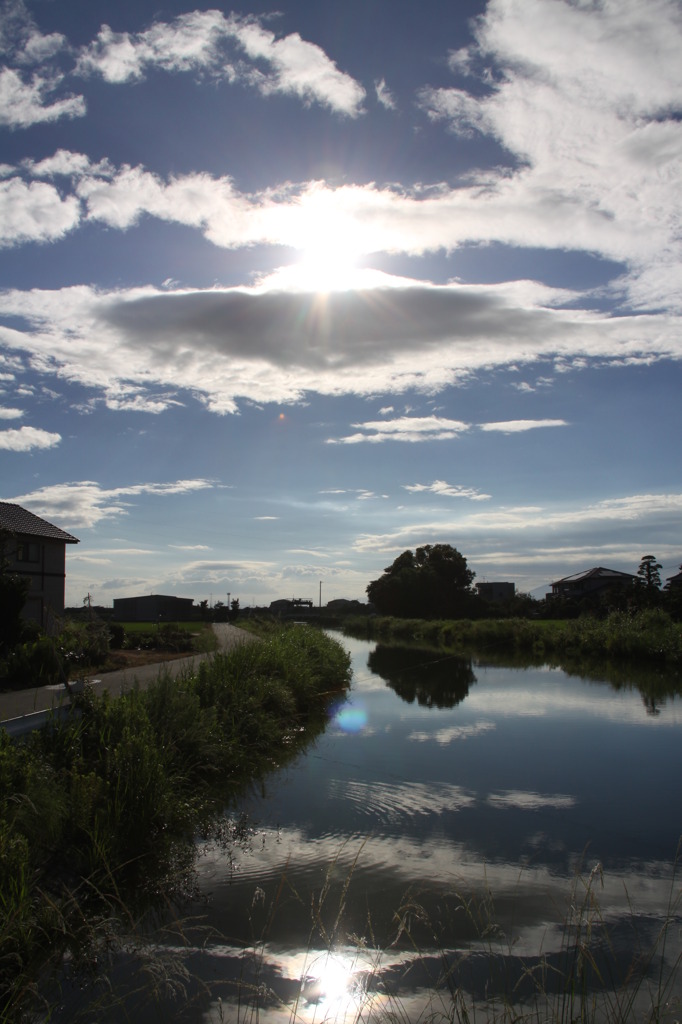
{"points": [[16, 704], [230, 636]]}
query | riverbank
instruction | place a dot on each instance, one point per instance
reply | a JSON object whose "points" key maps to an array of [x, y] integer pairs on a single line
{"points": [[645, 636], [107, 801]]}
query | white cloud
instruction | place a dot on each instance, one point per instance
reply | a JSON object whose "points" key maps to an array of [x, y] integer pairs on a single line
{"points": [[39, 48], [140, 348], [34, 212], [242, 572], [299, 68], [440, 487], [21, 40], [636, 510], [523, 208], [198, 41], [64, 162], [518, 426], [10, 414], [24, 103], [86, 503], [602, 90], [575, 90], [25, 439], [405, 428], [384, 95], [186, 44]]}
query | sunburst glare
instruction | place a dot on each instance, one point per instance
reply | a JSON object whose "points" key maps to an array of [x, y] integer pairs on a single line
{"points": [[333, 987]]}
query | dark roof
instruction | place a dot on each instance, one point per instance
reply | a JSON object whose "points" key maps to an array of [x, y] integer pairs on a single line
{"points": [[15, 519], [599, 573]]}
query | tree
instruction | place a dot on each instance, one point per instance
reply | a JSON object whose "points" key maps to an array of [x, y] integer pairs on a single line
{"points": [[433, 581], [649, 582], [650, 573]]}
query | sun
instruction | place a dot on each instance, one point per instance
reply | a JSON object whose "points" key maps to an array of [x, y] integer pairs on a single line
{"points": [[333, 250], [328, 265], [332, 264]]}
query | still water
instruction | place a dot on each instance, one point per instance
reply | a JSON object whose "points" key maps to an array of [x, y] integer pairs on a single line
{"points": [[445, 823]]}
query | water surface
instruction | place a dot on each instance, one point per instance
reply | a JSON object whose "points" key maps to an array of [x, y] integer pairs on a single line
{"points": [[447, 820]]}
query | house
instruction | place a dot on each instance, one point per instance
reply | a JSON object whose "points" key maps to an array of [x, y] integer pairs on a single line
{"points": [[36, 549], [495, 592], [592, 583], [344, 606], [153, 608], [284, 604]]}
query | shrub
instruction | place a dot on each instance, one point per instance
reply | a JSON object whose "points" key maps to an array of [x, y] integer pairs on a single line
{"points": [[34, 664]]}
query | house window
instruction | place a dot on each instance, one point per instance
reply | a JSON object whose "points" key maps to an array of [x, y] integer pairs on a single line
{"points": [[28, 553]]}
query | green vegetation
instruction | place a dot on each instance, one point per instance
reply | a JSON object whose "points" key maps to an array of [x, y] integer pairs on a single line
{"points": [[83, 645], [179, 637], [649, 635], [109, 800], [433, 580]]}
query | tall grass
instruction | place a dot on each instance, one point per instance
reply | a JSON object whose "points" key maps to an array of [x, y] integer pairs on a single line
{"points": [[645, 636], [109, 800]]}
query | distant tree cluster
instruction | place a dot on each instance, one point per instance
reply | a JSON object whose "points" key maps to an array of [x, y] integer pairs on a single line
{"points": [[433, 581]]}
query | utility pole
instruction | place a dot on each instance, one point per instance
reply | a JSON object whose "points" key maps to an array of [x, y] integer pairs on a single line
{"points": [[320, 593]]}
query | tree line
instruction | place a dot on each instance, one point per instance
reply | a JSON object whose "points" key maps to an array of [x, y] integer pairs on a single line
{"points": [[435, 581]]}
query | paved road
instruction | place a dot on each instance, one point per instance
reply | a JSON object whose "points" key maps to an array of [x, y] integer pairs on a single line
{"points": [[18, 704]]}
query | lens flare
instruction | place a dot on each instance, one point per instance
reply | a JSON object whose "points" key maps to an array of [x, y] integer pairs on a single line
{"points": [[351, 717]]}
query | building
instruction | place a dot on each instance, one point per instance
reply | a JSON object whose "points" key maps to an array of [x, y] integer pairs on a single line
{"points": [[496, 592], [593, 583], [34, 548], [153, 608], [344, 606]]}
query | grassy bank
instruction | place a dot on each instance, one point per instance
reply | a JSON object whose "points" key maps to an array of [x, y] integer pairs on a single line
{"points": [[108, 801], [649, 636]]}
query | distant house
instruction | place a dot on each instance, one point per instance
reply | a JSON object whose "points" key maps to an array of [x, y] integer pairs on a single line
{"points": [[153, 608], [289, 606], [344, 606], [495, 592], [593, 583], [34, 548]]}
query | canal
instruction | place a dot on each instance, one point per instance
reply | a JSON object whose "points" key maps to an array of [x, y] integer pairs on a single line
{"points": [[463, 830]]}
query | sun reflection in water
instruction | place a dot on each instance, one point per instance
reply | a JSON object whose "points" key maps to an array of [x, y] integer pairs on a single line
{"points": [[333, 987]]}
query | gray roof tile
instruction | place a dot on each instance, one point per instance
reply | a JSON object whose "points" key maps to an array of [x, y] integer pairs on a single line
{"points": [[15, 519]]}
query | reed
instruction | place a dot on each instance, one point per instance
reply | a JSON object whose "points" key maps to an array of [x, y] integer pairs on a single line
{"points": [[637, 636], [109, 800]]}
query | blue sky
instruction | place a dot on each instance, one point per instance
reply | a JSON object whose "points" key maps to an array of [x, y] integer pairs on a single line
{"points": [[287, 291]]}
